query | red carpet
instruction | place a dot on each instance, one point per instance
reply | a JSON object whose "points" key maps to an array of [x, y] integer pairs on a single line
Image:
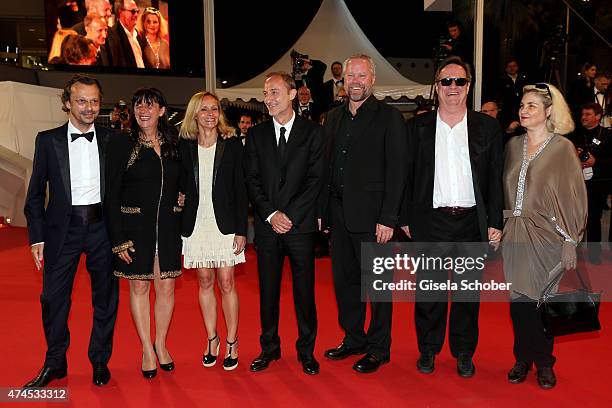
{"points": [[583, 367]]}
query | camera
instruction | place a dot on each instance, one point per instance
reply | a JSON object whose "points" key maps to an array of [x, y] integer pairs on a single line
{"points": [[440, 53], [298, 62], [120, 115], [584, 155]]}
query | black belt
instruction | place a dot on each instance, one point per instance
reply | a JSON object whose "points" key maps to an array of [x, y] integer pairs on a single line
{"points": [[455, 210], [86, 214]]}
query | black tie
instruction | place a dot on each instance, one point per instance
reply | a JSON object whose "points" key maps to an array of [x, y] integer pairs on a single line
{"points": [[339, 82], [282, 143], [89, 136]]}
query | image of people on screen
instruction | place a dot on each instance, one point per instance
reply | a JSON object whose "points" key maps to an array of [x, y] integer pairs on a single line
{"points": [[109, 33]]}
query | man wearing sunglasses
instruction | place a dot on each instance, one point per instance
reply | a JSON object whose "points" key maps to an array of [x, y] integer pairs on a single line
{"points": [[123, 38], [453, 195]]}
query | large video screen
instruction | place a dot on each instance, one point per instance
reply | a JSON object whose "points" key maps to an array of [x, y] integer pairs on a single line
{"points": [[109, 33]]}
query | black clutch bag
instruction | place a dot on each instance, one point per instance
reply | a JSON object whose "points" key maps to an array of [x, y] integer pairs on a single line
{"points": [[571, 312]]}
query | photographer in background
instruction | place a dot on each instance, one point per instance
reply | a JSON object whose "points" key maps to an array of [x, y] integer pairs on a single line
{"points": [[120, 116], [456, 44], [594, 148], [309, 72]]}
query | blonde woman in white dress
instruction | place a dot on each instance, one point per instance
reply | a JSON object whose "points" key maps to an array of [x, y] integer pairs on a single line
{"points": [[219, 236]]}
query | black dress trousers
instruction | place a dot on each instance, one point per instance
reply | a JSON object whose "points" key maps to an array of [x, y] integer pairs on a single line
{"points": [[58, 279], [346, 268], [431, 307], [271, 252]]}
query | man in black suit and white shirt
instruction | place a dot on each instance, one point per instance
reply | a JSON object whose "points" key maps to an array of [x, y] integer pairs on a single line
{"points": [[603, 98], [122, 40], [97, 31], [70, 160], [363, 189], [244, 124], [283, 168], [453, 194], [305, 107], [333, 86]]}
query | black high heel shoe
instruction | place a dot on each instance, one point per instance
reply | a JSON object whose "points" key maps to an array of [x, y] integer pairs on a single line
{"points": [[167, 366], [209, 360], [230, 363], [148, 374]]}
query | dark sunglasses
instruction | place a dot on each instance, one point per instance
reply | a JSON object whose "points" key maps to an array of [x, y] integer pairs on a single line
{"points": [[542, 86], [133, 11], [449, 81]]}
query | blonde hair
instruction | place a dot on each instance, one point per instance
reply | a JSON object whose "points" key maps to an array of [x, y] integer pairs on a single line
{"points": [[189, 127], [163, 24], [56, 44], [360, 57], [560, 119]]}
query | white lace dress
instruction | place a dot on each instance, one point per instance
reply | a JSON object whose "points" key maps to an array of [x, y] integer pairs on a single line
{"points": [[207, 247]]}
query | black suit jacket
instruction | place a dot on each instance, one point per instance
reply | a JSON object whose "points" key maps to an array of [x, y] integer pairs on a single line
{"points": [[229, 194], [328, 93], [485, 146], [510, 94], [291, 186], [52, 165], [375, 169], [119, 47], [104, 58]]}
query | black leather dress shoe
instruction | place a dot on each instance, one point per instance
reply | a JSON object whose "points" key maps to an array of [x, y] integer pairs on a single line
{"points": [[519, 372], [343, 351], [368, 364], [101, 374], [309, 364], [546, 378], [263, 360], [425, 363], [465, 366], [45, 376]]}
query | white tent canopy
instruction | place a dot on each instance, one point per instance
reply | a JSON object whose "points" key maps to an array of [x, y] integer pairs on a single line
{"points": [[333, 35]]}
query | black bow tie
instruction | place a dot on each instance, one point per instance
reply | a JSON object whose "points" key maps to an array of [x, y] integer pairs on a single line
{"points": [[89, 136], [340, 82], [599, 93]]}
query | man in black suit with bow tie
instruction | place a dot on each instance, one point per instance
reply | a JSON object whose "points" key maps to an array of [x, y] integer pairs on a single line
{"points": [[244, 124], [603, 97], [305, 107], [70, 161], [333, 86], [283, 167]]}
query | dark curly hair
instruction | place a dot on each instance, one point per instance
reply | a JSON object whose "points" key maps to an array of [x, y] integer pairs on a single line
{"points": [[167, 132]]}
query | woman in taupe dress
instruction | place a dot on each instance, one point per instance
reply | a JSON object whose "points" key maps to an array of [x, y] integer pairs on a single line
{"points": [[545, 217]]}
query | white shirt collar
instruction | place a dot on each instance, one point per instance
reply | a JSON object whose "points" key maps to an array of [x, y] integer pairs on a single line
{"points": [[462, 123], [287, 126], [73, 129], [133, 34]]}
